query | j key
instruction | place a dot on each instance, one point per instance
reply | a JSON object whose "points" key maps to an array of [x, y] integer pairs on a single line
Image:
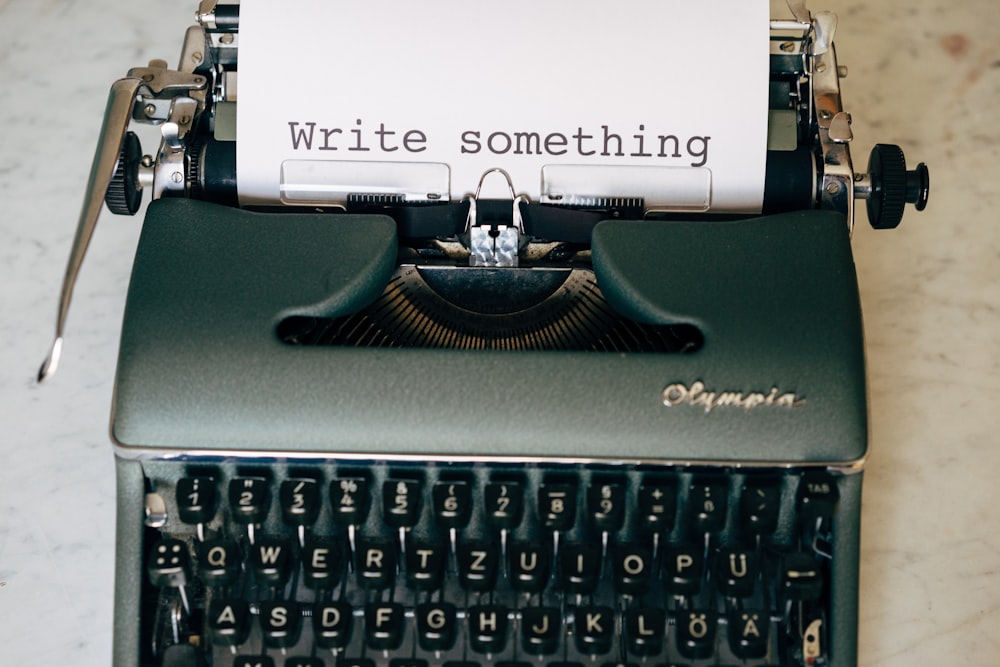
{"points": [[436, 626], [477, 565], [280, 623], [633, 568], [540, 630], [606, 504], [332, 623], [219, 562], [350, 499], [452, 504], [487, 628], [384, 625], [557, 506], [580, 567], [197, 499], [425, 565], [801, 577], [529, 567], [736, 572], [645, 630], [503, 504], [271, 560], [760, 506], [595, 628], [683, 568], [748, 633], [299, 501], [817, 496], [228, 621], [249, 498], [707, 506], [322, 562], [658, 505], [169, 563], [696, 634], [377, 561], [401, 503]]}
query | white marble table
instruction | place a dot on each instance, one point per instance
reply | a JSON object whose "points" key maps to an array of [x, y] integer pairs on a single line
{"points": [[923, 73]]}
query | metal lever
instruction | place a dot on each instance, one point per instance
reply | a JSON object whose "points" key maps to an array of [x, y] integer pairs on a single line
{"points": [[116, 119]]}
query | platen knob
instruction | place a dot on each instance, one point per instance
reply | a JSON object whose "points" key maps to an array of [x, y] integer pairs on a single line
{"points": [[124, 194], [892, 186]]}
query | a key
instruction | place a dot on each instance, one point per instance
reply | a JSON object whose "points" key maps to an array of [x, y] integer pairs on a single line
{"points": [[280, 623], [332, 624], [645, 630], [817, 496], [736, 572], [633, 567], [696, 634], [707, 506], [487, 628], [377, 561], [657, 503], [436, 626], [249, 498], [595, 628], [580, 567], [452, 504], [477, 565], [271, 560], [529, 567], [801, 577], [541, 628], [683, 568], [557, 506], [228, 621], [218, 562], [606, 506], [197, 499], [322, 562], [300, 501], [350, 500], [760, 506], [384, 625], [748, 633], [401, 503], [503, 504], [425, 565]]}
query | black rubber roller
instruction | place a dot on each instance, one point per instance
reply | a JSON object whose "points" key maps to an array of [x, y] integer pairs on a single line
{"points": [[892, 186], [124, 195]]}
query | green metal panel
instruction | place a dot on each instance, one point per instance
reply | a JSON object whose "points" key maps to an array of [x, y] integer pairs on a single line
{"points": [[201, 367]]}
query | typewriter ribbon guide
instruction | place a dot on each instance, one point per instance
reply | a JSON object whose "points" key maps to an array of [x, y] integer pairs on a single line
{"points": [[576, 377]]}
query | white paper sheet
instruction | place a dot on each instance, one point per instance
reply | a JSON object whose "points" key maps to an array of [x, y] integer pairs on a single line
{"points": [[662, 99]]}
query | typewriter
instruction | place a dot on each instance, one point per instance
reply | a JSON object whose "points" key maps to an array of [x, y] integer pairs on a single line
{"points": [[466, 431]]}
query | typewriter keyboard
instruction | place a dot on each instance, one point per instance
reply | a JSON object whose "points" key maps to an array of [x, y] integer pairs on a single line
{"points": [[474, 564]]}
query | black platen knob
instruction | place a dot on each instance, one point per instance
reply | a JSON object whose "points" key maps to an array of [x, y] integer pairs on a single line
{"points": [[892, 186], [124, 195]]}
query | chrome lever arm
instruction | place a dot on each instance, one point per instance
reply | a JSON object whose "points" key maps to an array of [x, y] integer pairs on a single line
{"points": [[117, 114]]}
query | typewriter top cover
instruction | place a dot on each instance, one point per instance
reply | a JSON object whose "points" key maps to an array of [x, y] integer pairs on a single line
{"points": [[574, 297]]}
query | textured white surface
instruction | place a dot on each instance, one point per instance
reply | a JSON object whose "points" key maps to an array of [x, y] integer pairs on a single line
{"points": [[923, 73]]}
